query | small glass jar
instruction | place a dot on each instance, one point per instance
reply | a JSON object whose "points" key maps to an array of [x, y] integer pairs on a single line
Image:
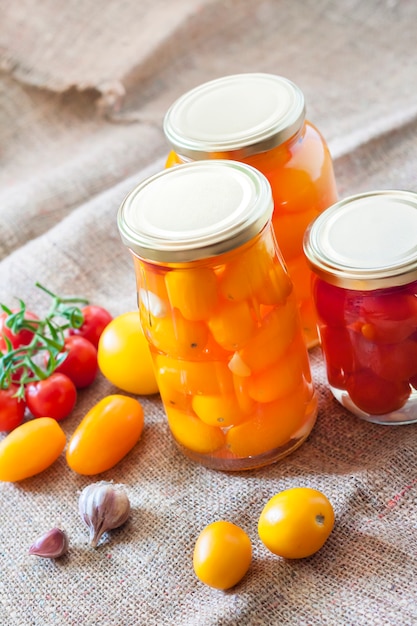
{"points": [[259, 119], [363, 251], [218, 309]]}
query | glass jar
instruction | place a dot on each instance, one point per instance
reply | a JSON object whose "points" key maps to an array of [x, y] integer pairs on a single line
{"points": [[259, 119], [363, 251], [218, 309]]}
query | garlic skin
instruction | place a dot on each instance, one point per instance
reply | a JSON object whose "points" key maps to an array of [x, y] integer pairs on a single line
{"points": [[103, 506], [50, 545]]}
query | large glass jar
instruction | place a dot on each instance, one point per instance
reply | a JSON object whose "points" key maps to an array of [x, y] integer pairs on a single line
{"points": [[259, 119], [218, 308], [363, 251]]}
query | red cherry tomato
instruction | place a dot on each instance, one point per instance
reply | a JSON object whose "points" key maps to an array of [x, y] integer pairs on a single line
{"points": [[54, 397], [374, 394], [12, 409], [95, 321], [22, 338], [338, 354], [390, 317], [80, 364]]}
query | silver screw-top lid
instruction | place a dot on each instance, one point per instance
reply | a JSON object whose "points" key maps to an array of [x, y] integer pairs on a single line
{"points": [[235, 116], [367, 241], [195, 211]]}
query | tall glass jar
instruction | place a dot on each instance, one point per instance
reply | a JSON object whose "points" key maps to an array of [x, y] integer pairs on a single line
{"points": [[259, 119], [363, 251], [218, 308]]}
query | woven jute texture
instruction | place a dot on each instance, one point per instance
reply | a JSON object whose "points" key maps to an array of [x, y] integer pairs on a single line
{"points": [[83, 89]]}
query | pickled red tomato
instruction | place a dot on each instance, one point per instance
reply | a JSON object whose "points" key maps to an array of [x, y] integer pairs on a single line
{"points": [[338, 354], [232, 325], [176, 336], [193, 433], [395, 361], [330, 302], [192, 291], [389, 317], [273, 425], [375, 395]]}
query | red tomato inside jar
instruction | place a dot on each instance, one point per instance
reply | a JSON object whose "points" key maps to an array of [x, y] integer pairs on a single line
{"points": [[364, 256]]}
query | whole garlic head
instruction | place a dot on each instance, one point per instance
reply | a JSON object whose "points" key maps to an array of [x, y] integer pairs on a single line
{"points": [[103, 506]]}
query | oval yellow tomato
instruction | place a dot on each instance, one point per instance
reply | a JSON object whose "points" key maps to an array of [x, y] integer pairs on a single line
{"points": [[124, 356], [30, 448], [222, 555], [296, 523], [105, 435]]}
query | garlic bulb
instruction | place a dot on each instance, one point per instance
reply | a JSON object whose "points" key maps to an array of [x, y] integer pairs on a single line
{"points": [[52, 544], [103, 506]]}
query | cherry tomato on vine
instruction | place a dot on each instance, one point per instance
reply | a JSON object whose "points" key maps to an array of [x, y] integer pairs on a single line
{"points": [[222, 555], [96, 318], [21, 338], [105, 435], [30, 448], [296, 523], [124, 356], [12, 409], [80, 364], [54, 396]]}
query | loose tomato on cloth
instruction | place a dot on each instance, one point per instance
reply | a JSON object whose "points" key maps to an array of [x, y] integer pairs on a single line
{"points": [[96, 318], [222, 555], [105, 435], [296, 523], [54, 396], [124, 356], [80, 364], [30, 448], [12, 409]]}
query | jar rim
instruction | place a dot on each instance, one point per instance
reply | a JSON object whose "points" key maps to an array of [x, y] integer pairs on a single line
{"points": [[195, 211], [211, 118], [366, 241]]}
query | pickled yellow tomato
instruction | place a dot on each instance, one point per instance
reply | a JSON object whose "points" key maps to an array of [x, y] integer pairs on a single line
{"points": [[247, 272], [281, 377], [193, 291], [272, 338], [176, 336], [274, 424], [194, 377], [193, 433], [232, 325], [220, 411]]}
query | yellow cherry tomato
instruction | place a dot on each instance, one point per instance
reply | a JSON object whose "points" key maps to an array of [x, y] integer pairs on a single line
{"points": [[30, 448], [296, 523], [222, 555], [124, 356], [192, 433], [105, 435]]}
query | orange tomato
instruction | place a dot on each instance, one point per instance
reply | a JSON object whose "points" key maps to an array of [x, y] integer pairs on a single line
{"points": [[192, 433], [296, 523], [222, 555], [105, 435], [30, 448]]}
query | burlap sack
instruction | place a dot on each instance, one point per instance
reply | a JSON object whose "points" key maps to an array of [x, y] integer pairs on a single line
{"points": [[83, 92]]}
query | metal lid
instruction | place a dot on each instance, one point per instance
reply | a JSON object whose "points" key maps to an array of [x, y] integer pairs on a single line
{"points": [[367, 241], [195, 211], [241, 114]]}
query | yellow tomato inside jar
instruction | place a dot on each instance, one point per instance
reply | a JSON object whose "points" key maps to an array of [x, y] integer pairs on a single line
{"points": [[259, 119], [224, 330]]}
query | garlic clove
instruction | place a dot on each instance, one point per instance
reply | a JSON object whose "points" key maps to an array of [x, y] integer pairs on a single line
{"points": [[50, 545], [103, 506]]}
